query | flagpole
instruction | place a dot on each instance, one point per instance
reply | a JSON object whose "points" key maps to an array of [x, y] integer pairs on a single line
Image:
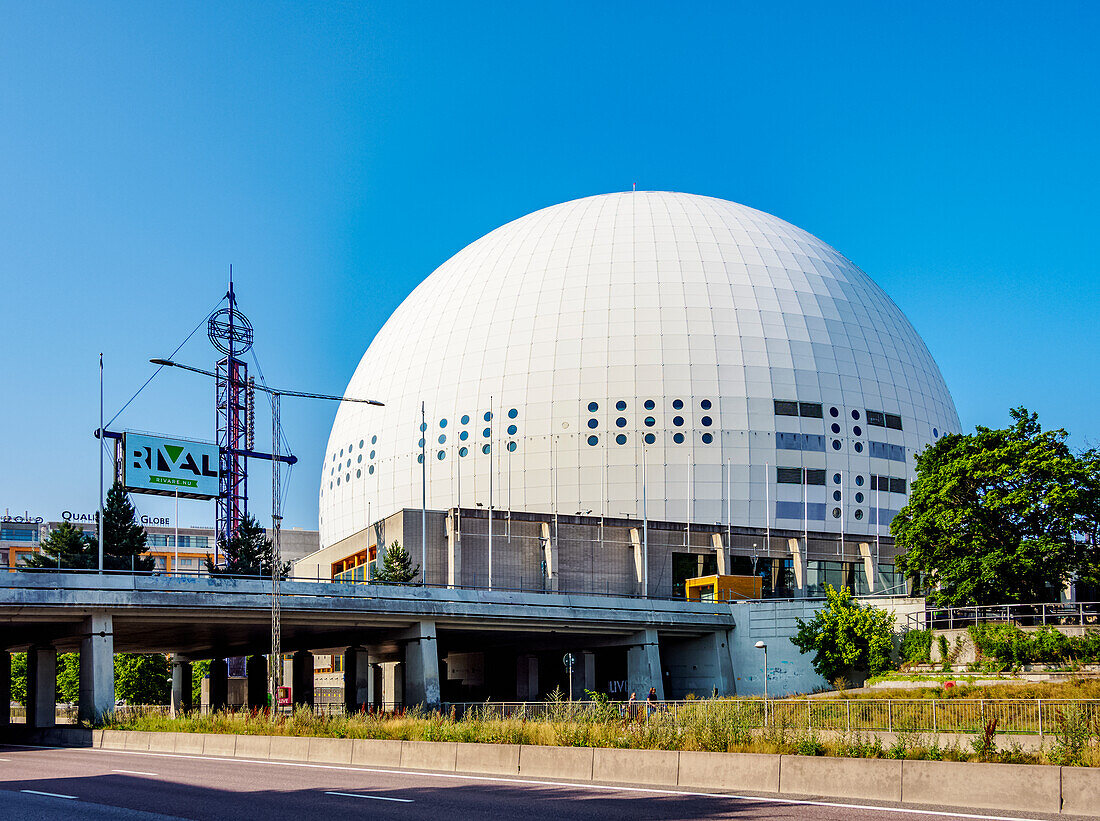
{"points": [[176, 537], [490, 493], [423, 495], [101, 463], [645, 530]]}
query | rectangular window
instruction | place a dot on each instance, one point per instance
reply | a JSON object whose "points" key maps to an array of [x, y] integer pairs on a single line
{"points": [[893, 421], [800, 441], [185, 541], [815, 477], [15, 534], [784, 408], [158, 540], [811, 410], [876, 418], [897, 485], [788, 476], [882, 450], [814, 511], [200, 541]]}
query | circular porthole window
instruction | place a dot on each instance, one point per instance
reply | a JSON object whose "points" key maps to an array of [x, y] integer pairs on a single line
{"points": [[512, 430], [420, 458], [705, 404], [593, 407], [707, 438], [837, 496], [486, 432], [836, 478], [442, 438], [857, 430], [678, 421], [485, 448], [341, 453], [936, 433], [465, 420], [858, 514], [372, 454], [836, 444], [835, 428], [650, 404], [650, 421], [592, 423], [464, 435], [678, 438], [462, 451], [442, 423], [855, 415], [620, 422], [859, 447], [511, 447], [374, 440], [337, 481], [706, 420], [859, 498], [620, 405], [370, 470], [330, 485], [650, 438], [359, 458], [347, 478], [859, 481], [677, 404], [593, 440], [441, 455], [360, 443], [420, 444], [513, 413], [621, 439], [833, 412], [836, 512], [423, 426]]}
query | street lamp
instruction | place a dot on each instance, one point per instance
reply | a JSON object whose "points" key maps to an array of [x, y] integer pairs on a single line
{"points": [[761, 646]]}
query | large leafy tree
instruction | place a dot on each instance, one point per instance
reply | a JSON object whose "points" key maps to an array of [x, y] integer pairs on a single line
{"points": [[845, 636], [1000, 516], [142, 679], [248, 553], [397, 566], [123, 538], [65, 547]]}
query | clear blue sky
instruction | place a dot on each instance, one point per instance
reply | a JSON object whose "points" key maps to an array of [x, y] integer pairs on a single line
{"points": [[337, 153]]}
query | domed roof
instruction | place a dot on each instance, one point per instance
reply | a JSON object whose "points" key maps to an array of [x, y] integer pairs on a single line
{"points": [[637, 301]]}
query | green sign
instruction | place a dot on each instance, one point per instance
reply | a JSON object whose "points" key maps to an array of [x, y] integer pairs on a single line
{"points": [[169, 467]]}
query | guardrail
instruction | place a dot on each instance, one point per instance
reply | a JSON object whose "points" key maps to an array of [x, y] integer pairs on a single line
{"points": [[1025, 615], [954, 715]]}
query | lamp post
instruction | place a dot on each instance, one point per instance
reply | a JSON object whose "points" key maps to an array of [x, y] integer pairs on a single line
{"points": [[761, 646]]}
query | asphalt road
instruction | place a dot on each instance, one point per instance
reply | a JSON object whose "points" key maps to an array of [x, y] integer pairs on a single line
{"points": [[44, 784]]}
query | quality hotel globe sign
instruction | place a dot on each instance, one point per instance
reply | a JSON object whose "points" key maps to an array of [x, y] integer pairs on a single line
{"points": [[166, 467]]}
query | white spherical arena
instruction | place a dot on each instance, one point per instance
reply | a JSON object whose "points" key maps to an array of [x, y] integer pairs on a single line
{"points": [[558, 353]]}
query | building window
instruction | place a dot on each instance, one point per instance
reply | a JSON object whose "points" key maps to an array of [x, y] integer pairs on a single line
{"points": [[678, 438], [707, 438], [893, 421], [855, 415], [876, 418], [465, 420], [486, 433], [785, 408], [14, 534], [859, 447], [621, 439], [593, 440], [461, 452], [620, 422], [882, 450], [442, 438], [650, 438], [512, 430], [810, 410], [511, 447], [836, 512], [705, 404], [650, 404], [593, 424], [677, 404], [485, 448], [706, 421], [488, 416], [794, 476], [442, 424], [441, 455], [593, 407], [620, 405], [650, 421], [836, 444], [513, 413]]}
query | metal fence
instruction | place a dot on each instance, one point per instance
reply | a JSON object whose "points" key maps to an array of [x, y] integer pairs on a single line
{"points": [[955, 715], [1026, 615]]}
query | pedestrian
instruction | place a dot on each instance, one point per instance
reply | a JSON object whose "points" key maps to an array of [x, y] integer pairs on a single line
{"points": [[632, 707], [651, 701]]}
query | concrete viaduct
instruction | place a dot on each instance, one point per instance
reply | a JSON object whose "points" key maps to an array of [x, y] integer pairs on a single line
{"points": [[676, 647]]}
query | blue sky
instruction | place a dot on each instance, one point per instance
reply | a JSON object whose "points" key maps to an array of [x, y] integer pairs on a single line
{"points": [[335, 154]]}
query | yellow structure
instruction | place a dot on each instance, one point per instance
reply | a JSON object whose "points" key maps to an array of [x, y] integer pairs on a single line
{"points": [[723, 588]]}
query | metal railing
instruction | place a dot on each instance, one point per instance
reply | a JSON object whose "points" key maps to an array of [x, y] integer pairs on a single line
{"points": [[1025, 615], [955, 715]]}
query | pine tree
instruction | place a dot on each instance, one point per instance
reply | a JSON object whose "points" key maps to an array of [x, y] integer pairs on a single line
{"points": [[66, 548], [397, 567], [123, 538], [247, 554]]}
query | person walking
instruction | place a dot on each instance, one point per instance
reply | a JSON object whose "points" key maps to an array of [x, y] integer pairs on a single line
{"points": [[632, 707], [651, 701]]}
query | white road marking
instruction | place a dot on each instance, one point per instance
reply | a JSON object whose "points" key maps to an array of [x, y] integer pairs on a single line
{"points": [[5, 759], [49, 794], [584, 786], [133, 772], [375, 797]]}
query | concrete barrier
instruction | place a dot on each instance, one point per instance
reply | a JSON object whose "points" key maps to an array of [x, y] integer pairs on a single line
{"points": [[162, 742], [1080, 790], [574, 763], [189, 743], [637, 767], [114, 739], [219, 745], [289, 748], [864, 778], [1016, 787], [429, 755], [488, 759], [253, 746], [751, 772], [136, 741], [376, 752], [329, 750]]}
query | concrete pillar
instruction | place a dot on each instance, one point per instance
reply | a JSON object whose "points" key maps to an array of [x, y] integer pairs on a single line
{"points": [[181, 686], [700, 666], [643, 665], [527, 678], [869, 566], [219, 685], [5, 687], [376, 698], [799, 562], [549, 557], [720, 553], [639, 559], [584, 674], [41, 687], [422, 667], [302, 679], [256, 671], [358, 680], [97, 669], [454, 551]]}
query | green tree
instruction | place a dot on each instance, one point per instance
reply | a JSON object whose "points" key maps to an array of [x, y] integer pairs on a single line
{"points": [[247, 554], [199, 671], [397, 566], [123, 538], [19, 678], [142, 678], [845, 635], [68, 677], [1000, 516], [65, 547]]}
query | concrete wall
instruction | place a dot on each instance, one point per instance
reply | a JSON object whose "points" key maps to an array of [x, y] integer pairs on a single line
{"points": [[1004, 787]]}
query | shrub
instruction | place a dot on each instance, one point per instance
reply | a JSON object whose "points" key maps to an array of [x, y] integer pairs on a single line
{"points": [[846, 635], [916, 647]]}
